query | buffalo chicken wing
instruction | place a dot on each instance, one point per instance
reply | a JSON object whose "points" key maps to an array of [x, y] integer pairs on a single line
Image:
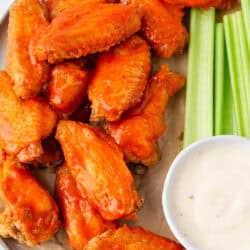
{"points": [[30, 215], [72, 34], [26, 21], [161, 26], [23, 123], [126, 238], [137, 132], [97, 165], [81, 221], [119, 80]]}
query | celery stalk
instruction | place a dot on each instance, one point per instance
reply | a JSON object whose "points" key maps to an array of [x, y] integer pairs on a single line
{"points": [[245, 6], [199, 96], [238, 60], [223, 105]]}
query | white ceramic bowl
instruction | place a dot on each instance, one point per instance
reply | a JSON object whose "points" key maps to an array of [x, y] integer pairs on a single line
{"points": [[176, 166]]}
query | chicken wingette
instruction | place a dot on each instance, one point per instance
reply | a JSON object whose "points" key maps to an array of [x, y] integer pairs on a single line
{"points": [[126, 238], [72, 35], [119, 79], [137, 132], [30, 215], [96, 163], [26, 21], [23, 123], [161, 26]]}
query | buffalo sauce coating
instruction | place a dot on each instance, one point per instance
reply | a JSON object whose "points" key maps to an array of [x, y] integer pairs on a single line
{"points": [[119, 79], [67, 88], [137, 132], [81, 221], [30, 215], [97, 164]]}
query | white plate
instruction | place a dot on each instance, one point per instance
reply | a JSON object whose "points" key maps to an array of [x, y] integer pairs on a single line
{"points": [[4, 6], [3, 41], [150, 186]]}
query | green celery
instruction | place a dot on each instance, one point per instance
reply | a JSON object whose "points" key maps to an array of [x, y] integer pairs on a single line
{"points": [[199, 96], [238, 60], [245, 6], [223, 106]]}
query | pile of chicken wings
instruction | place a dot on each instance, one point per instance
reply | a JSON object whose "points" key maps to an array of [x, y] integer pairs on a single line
{"points": [[77, 94]]}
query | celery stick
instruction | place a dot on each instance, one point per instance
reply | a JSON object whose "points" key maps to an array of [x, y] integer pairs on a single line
{"points": [[245, 70], [223, 105], [199, 96], [238, 60], [245, 6], [219, 78]]}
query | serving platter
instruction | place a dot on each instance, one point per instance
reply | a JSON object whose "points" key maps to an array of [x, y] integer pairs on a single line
{"points": [[150, 183]]}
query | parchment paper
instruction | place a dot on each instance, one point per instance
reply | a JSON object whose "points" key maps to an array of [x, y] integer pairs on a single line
{"points": [[151, 184]]}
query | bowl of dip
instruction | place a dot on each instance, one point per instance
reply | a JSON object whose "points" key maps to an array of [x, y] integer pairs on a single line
{"points": [[206, 196]]}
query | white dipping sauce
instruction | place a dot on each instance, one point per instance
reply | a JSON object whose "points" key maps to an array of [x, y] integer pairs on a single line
{"points": [[210, 197]]}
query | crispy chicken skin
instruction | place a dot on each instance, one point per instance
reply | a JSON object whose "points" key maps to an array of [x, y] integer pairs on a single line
{"points": [[30, 215], [81, 221], [161, 26], [67, 88], [23, 123], [72, 35], [55, 7], [221, 4], [97, 165], [137, 132], [26, 21], [119, 80], [126, 238]]}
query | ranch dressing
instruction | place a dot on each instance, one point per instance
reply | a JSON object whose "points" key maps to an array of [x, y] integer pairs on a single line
{"points": [[210, 197]]}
